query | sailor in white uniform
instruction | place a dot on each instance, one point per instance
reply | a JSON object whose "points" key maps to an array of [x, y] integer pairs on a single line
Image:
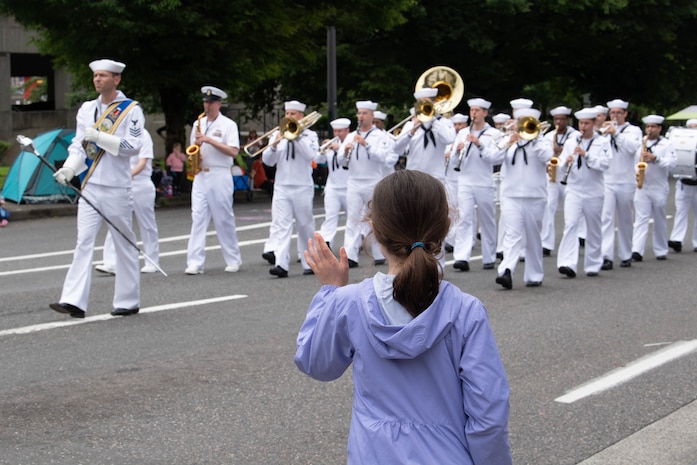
{"points": [[212, 190], [109, 131]]}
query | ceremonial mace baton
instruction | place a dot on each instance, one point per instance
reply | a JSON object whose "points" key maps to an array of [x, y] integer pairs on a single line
{"points": [[28, 145]]}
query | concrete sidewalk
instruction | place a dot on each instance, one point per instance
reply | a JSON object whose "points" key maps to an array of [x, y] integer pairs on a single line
{"points": [[19, 212], [670, 440]]}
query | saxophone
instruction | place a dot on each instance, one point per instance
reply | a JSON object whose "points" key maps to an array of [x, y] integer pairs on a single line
{"points": [[641, 166], [554, 161], [194, 150]]}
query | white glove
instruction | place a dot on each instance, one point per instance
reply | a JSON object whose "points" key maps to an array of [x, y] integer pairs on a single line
{"points": [[64, 175], [108, 142], [91, 134]]}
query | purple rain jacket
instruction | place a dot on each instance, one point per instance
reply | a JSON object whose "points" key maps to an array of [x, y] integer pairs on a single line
{"points": [[433, 391]]}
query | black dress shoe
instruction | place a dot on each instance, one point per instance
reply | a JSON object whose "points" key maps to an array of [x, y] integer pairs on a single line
{"points": [[71, 310], [533, 284], [379, 262], [625, 263], [449, 248], [592, 273], [675, 245], [636, 256], [607, 265], [661, 257], [269, 257], [461, 265], [499, 255], [352, 263], [124, 311], [278, 271], [581, 242], [567, 271], [546, 252], [308, 271], [505, 279], [488, 266], [521, 259]]}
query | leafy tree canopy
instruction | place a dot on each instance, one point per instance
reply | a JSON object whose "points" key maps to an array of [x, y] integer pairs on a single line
{"points": [[556, 52]]}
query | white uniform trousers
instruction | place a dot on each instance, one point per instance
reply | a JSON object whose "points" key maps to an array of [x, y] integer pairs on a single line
{"points": [[549, 233], [483, 197], [334, 203], [685, 199], [211, 196], [619, 201], [451, 191], [356, 227], [522, 219], [650, 203], [116, 203], [291, 202], [144, 209], [576, 209]]}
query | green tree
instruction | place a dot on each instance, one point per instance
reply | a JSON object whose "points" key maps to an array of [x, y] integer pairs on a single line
{"points": [[173, 47]]}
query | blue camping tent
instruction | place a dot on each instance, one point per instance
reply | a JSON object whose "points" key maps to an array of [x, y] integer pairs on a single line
{"points": [[30, 181]]}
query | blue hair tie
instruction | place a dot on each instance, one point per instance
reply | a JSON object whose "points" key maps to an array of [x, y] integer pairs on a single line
{"points": [[418, 244]]}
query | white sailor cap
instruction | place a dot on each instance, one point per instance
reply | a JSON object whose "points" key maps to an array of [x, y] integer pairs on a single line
{"points": [[212, 94], [426, 92], [479, 102], [521, 103], [526, 112], [459, 118], [501, 118], [691, 122], [600, 109], [106, 64], [294, 105], [379, 115], [340, 123], [586, 113], [653, 119], [366, 105], [562, 110], [617, 103]]}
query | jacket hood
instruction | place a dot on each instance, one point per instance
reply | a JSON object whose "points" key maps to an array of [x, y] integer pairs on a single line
{"points": [[419, 335]]}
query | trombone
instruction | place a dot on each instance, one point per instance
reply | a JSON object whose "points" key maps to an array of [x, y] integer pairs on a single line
{"points": [[290, 129]]}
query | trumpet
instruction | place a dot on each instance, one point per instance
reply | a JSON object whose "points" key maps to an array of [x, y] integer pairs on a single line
{"points": [[606, 127], [290, 129], [194, 150], [530, 128], [569, 165], [641, 166], [324, 147]]}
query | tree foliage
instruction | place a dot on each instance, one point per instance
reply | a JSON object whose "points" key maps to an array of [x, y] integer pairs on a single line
{"points": [[556, 52]]}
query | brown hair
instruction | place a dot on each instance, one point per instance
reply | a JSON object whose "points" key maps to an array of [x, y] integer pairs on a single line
{"points": [[409, 214]]}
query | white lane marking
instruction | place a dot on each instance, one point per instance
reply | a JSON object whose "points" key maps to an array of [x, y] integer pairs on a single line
{"points": [[248, 227], [107, 316], [630, 371]]}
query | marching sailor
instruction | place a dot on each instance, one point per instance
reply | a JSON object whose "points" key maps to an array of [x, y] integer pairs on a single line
{"points": [[658, 155], [109, 131], [212, 191]]}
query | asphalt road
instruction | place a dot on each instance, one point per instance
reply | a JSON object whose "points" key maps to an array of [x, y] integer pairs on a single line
{"points": [[197, 381]]}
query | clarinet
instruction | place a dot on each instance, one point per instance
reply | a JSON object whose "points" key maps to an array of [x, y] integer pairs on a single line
{"points": [[569, 165]]}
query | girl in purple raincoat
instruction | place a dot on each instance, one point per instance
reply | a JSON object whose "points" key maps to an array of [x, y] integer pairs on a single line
{"points": [[429, 384]]}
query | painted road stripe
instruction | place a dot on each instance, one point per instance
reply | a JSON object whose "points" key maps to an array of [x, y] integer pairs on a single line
{"points": [[107, 316], [630, 371]]}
